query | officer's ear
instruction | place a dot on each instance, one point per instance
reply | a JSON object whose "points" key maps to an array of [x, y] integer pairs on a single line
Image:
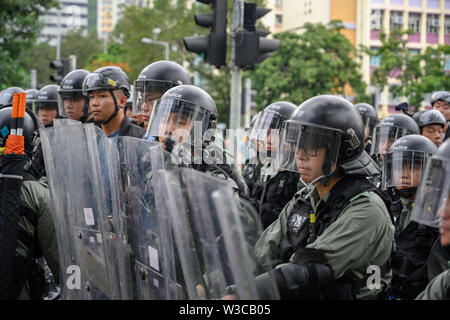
{"points": [[121, 97]]}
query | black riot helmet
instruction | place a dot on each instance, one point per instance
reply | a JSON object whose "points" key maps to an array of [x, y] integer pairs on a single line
{"points": [[71, 88], [30, 126], [430, 117], [433, 194], [269, 124], [417, 114], [154, 80], [32, 95], [48, 97], [6, 97], [440, 96], [179, 112], [404, 163], [328, 122], [390, 129], [108, 78], [368, 115]]}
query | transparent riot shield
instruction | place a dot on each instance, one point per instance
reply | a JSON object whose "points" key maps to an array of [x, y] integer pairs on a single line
{"points": [[212, 247], [154, 267], [77, 166]]}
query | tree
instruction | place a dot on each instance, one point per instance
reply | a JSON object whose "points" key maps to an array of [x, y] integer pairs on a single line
{"points": [[415, 74], [320, 60], [19, 27]]}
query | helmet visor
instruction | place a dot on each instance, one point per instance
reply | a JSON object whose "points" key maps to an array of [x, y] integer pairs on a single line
{"points": [[433, 194], [369, 125], [385, 136], [266, 121], [178, 120], [145, 94], [72, 105], [98, 82], [308, 149], [403, 168]]}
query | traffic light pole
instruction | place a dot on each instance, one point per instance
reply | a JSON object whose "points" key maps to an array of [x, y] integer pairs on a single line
{"points": [[236, 73]]}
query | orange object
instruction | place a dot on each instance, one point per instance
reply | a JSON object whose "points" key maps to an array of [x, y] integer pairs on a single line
{"points": [[15, 105], [15, 144], [22, 105]]}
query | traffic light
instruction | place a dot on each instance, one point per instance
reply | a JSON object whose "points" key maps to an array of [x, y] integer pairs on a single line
{"points": [[251, 45], [212, 47], [62, 67]]}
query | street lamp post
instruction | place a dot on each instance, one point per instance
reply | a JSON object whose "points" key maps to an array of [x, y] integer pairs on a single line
{"points": [[163, 43]]}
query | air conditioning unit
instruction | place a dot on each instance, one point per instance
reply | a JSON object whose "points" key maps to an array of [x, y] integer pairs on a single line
{"points": [[435, 23], [398, 20]]}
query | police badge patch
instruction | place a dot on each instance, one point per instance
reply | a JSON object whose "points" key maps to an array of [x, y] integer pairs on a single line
{"points": [[295, 222]]}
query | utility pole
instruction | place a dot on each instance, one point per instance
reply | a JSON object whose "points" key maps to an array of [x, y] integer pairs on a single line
{"points": [[236, 72]]}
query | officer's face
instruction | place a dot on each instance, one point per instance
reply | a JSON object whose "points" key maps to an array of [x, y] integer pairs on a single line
{"points": [[102, 105], [74, 107], [310, 164], [47, 115], [178, 126], [444, 225], [435, 133], [385, 145], [444, 108], [367, 130], [149, 99], [407, 178]]}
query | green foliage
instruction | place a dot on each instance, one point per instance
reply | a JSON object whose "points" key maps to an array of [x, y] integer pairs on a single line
{"points": [[19, 27], [416, 73], [320, 60]]}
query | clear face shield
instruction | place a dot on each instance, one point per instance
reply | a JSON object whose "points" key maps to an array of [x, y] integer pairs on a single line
{"points": [[403, 169], [310, 150], [72, 105], [145, 95], [265, 132], [432, 200], [178, 121], [369, 127], [384, 138]]}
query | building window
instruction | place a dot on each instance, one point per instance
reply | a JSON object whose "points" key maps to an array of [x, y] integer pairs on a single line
{"points": [[278, 19], [447, 25], [396, 2], [415, 3], [433, 23], [279, 2], [414, 22], [396, 20], [375, 61], [376, 19]]}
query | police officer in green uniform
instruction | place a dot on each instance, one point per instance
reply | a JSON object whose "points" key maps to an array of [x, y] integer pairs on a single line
{"points": [[337, 228], [271, 188], [184, 122], [432, 208], [36, 236], [402, 169]]}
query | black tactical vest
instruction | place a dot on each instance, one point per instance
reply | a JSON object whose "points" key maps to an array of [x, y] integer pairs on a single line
{"points": [[409, 261]]}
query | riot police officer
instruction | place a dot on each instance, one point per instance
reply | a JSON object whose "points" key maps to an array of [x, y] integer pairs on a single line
{"points": [[108, 89], [431, 124], [370, 120], [440, 100], [153, 81], [36, 234], [320, 242], [47, 104], [71, 101], [272, 189], [432, 208], [184, 122], [403, 167], [32, 95]]}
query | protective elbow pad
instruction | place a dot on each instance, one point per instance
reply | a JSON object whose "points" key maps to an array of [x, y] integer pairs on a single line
{"points": [[309, 281]]}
